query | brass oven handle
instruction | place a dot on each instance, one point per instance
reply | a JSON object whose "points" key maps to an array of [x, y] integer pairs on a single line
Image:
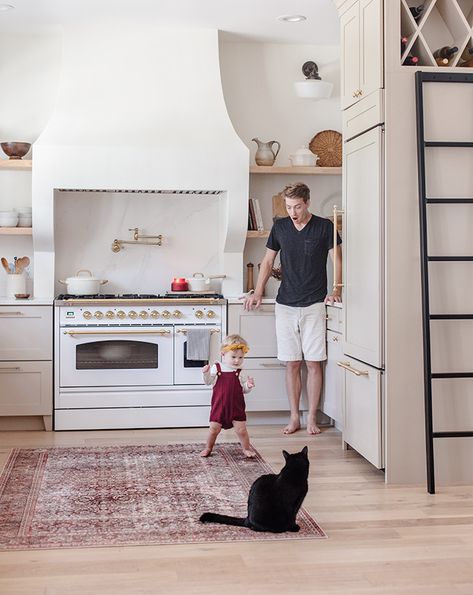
{"points": [[336, 212], [13, 369], [116, 332], [11, 314], [184, 332], [347, 366]]}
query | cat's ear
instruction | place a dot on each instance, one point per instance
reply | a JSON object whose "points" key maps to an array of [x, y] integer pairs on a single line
{"points": [[285, 454], [304, 451]]}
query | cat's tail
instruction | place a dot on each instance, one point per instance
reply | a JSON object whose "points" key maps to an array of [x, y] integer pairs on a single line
{"points": [[223, 519]]}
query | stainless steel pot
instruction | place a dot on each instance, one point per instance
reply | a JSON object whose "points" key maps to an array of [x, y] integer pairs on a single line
{"points": [[83, 285]]}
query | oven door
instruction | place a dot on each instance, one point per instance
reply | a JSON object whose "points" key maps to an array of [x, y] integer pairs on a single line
{"points": [[94, 356], [190, 371]]}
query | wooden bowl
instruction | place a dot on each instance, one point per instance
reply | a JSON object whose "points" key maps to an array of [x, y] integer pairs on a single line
{"points": [[15, 150]]}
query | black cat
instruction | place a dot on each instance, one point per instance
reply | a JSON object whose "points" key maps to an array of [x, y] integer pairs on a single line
{"points": [[274, 500]]}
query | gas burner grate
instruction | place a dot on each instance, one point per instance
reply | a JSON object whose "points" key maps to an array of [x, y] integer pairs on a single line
{"points": [[138, 296], [96, 296], [192, 296]]}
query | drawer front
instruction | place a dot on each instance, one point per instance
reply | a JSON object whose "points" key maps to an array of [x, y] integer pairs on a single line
{"points": [[363, 115], [334, 319], [269, 393], [26, 388], [258, 327], [363, 411], [26, 333]]}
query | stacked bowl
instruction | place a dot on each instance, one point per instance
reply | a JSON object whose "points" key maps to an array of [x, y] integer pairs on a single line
{"points": [[25, 217], [8, 218]]}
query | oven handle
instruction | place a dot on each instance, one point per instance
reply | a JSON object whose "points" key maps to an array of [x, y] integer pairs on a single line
{"points": [[133, 332], [184, 332]]}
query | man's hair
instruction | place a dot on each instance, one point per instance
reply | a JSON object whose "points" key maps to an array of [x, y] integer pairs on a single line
{"points": [[298, 190]]}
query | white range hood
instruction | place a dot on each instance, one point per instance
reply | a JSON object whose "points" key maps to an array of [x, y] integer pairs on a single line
{"points": [[140, 109]]}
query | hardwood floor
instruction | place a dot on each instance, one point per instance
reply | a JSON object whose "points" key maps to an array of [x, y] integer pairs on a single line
{"points": [[381, 539]]}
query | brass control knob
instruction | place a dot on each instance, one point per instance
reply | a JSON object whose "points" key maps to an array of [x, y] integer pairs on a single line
{"points": [[177, 314], [198, 314], [166, 314], [132, 314], [154, 314], [98, 314], [143, 314], [121, 314], [87, 315], [110, 314], [211, 314]]}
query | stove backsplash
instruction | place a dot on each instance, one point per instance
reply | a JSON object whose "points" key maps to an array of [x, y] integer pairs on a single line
{"points": [[86, 224]]}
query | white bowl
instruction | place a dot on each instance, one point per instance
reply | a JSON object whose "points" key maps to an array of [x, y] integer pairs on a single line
{"points": [[24, 211], [8, 220]]}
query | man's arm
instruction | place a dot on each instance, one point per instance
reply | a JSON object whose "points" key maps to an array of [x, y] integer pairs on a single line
{"points": [[335, 293], [254, 299]]}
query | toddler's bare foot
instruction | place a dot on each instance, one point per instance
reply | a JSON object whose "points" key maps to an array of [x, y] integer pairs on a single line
{"points": [[313, 429], [249, 453], [206, 452], [292, 427]]}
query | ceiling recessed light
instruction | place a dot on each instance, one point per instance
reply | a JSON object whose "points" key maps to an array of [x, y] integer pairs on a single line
{"points": [[5, 7], [292, 18]]}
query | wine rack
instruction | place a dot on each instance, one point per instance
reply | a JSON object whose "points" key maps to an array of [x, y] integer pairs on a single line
{"points": [[441, 23]]}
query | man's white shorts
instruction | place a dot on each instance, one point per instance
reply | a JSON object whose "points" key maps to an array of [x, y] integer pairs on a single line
{"points": [[300, 333]]}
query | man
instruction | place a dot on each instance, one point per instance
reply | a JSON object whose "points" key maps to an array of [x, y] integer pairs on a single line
{"points": [[304, 241]]}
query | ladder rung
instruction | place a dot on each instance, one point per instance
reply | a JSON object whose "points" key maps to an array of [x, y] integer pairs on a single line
{"points": [[449, 258], [452, 375], [451, 316], [447, 143], [446, 201], [451, 434]]}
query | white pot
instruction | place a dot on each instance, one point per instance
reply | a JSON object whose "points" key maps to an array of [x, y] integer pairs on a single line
{"points": [[85, 285], [200, 283], [303, 157]]}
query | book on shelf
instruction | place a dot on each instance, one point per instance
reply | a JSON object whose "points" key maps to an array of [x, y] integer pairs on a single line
{"points": [[259, 217], [251, 216]]}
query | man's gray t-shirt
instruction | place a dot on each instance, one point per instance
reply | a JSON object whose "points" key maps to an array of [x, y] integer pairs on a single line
{"points": [[303, 259]]}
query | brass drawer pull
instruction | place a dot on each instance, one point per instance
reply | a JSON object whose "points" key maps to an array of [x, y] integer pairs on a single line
{"points": [[347, 366], [12, 369], [272, 365], [11, 314]]}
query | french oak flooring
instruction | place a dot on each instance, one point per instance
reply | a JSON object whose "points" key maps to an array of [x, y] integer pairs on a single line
{"points": [[381, 539]]}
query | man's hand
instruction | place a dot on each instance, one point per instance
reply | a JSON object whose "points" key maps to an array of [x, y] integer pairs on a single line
{"points": [[333, 297], [252, 300]]}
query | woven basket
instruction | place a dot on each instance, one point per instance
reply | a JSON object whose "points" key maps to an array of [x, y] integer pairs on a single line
{"points": [[328, 146]]}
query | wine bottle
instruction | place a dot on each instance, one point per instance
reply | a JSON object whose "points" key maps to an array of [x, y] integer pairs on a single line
{"points": [[444, 55], [410, 60], [417, 11], [404, 41], [469, 61]]}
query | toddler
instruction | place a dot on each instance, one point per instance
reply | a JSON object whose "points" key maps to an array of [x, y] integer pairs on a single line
{"points": [[227, 407]]}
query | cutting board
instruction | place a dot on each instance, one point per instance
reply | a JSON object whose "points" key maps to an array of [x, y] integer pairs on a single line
{"points": [[279, 206]]}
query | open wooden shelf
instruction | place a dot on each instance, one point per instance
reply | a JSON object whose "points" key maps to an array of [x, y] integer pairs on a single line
{"points": [[16, 231], [18, 164], [271, 169], [257, 234]]}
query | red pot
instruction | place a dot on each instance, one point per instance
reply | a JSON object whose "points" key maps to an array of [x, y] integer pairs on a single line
{"points": [[179, 284]]}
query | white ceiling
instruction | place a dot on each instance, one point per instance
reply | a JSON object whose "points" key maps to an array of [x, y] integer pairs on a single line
{"points": [[240, 20]]}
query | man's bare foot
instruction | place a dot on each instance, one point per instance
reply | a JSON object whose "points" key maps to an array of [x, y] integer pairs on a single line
{"points": [[292, 427], [313, 429], [206, 452], [249, 453]]}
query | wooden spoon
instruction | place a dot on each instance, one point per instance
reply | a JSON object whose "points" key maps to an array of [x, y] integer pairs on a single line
{"points": [[22, 263], [5, 264]]}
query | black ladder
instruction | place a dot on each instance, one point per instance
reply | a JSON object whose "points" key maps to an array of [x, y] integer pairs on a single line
{"points": [[433, 77]]}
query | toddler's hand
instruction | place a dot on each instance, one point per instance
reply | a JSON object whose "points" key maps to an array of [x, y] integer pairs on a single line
{"points": [[250, 382], [205, 369]]}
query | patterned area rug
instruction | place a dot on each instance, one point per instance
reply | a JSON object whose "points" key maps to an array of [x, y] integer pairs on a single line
{"points": [[128, 495]]}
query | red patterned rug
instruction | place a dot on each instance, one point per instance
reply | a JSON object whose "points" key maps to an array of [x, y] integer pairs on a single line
{"points": [[128, 495]]}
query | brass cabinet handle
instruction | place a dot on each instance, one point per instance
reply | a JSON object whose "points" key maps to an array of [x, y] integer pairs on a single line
{"points": [[335, 339], [336, 212], [13, 369], [11, 314], [272, 365], [114, 332], [347, 366]]}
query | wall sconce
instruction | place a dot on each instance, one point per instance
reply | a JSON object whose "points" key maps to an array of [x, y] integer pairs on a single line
{"points": [[313, 87]]}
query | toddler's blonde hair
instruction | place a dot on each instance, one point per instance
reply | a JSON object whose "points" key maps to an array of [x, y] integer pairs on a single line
{"points": [[234, 343]]}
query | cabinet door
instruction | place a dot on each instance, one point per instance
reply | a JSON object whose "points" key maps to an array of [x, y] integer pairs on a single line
{"points": [[269, 393], [331, 403], [371, 46], [350, 55], [26, 388], [258, 327], [363, 239], [26, 333], [363, 411]]}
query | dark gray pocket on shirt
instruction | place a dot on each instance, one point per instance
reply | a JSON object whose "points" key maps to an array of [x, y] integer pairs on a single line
{"points": [[311, 247]]}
